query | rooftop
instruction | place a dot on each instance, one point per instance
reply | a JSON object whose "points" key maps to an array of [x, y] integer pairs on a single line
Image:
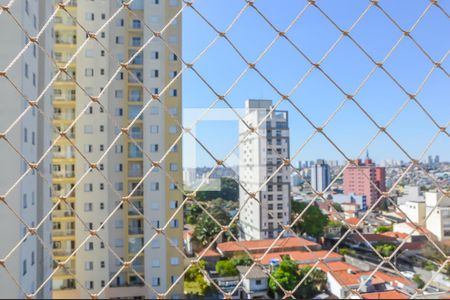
{"points": [[255, 245], [385, 295], [255, 273], [299, 256]]}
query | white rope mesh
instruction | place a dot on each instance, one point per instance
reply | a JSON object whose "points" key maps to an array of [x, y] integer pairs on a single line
{"points": [[190, 197]]}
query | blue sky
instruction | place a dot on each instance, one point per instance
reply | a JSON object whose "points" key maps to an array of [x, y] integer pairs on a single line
{"points": [[317, 97]]}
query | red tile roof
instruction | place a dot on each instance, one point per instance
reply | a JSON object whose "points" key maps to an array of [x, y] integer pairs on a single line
{"points": [[334, 266], [352, 221], [385, 295], [299, 256], [208, 253], [372, 237], [346, 278], [397, 235], [255, 245]]}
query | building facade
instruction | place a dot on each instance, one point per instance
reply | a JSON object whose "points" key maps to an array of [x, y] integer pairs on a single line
{"points": [[260, 156], [320, 175], [29, 71], [120, 170], [365, 179]]}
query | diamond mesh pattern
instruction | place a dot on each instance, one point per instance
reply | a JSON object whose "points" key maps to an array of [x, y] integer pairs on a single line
{"points": [[411, 98]]}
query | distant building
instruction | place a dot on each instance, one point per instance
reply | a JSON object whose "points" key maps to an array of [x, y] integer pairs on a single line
{"points": [[360, 200], [260, 156], [410, 193], [320, 175], [436, 159], [365, 179], [438, 209]]}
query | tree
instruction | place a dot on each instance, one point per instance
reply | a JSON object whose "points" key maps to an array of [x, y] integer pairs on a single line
{"points": [[194, 281], [385, 249], [313, 221], [418, 280], [382, 229], [286, 274], [242, 260], [347, 251], [207, 229], [313, 284], [192, 214], [226, 268], [337, 207], [229, 190]]}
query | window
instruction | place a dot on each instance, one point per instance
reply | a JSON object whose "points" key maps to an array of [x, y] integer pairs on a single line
{"points": [[154, 55], [174, 223], [136, 24], [88, 148], [24, 267], [118, 186], [154, 186], [173, 204], [89, 246], [154, 147], [173, 74], [173, 111], [90, 16], [258, 281], [155, 263], [119, 112], [173, 129], [120, 23], [102, 264], [174, 261], [89, 72], [119, 40], [26, 71], [173, 167], [173, 57], [25, 202], [173, 92], [32, 258], [88, 187], [89, 284], [103, 16], [156, 281], [25, 135], [119, 168], [88, 129], [173, 2], [154, 73], [88, 206], [154, 128], [102, 205]]}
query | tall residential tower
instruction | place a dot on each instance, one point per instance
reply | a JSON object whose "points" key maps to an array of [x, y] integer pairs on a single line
{"points": [[25, 201], [260, 156], [320, 175], [121, 169]]}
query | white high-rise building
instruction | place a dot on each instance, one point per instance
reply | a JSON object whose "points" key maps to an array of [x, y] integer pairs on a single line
{"points": [[439, 220], [30, 263], [96, 195], [260, 156], [320, 175]]}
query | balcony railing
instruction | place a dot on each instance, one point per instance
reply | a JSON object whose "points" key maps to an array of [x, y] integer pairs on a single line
{"points": [[65, 232]]}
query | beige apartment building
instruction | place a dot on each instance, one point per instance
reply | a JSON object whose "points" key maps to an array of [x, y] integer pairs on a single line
{"points": [[97, 194]]}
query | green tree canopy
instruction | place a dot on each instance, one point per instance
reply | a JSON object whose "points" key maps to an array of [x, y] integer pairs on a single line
{"points": [[229, 190], [418, 280], [337, 207], [207, 229], [226, 268], [286, 274], [385, 249], [194, 281], [382, 229], [314, 221], [242, 260]]}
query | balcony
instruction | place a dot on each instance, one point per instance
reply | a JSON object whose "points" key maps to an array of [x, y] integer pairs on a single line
{"points": [[135, 230], [62, 252], [62, 213], [63, 232]]}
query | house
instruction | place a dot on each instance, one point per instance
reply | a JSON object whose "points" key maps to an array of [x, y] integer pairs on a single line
{"points": [[230, 249], [385, 295], [254, 282], [340, 283]]}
